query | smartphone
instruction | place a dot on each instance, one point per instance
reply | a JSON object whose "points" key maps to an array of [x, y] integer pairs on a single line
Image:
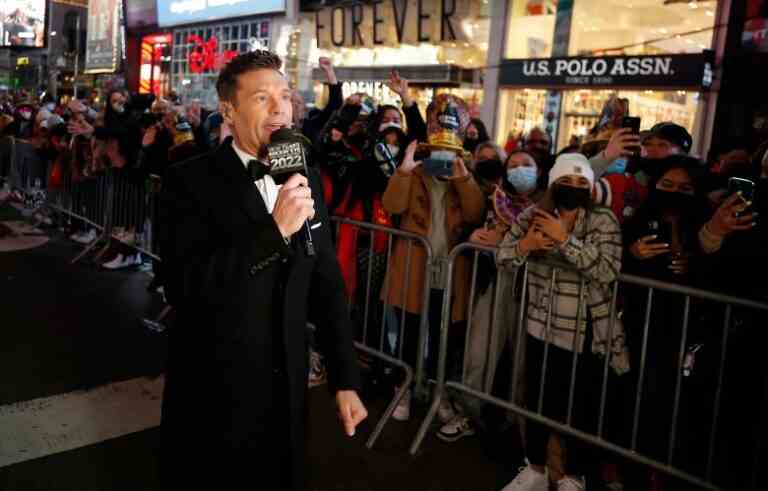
{"points": [[631, 122], [747, 188]]}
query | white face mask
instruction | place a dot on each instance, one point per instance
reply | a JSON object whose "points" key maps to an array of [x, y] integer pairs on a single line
{"points": [[50, 106], [118, 108], [393, 149], [392, 124]]}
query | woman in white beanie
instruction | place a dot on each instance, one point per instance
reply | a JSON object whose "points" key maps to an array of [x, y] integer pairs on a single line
{"points": [[565, 227]]}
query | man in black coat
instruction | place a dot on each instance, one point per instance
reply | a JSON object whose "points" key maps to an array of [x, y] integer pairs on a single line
{"points": [[234, 409]]}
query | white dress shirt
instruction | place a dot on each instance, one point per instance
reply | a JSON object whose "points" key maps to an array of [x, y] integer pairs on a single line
{"points": [[266, 186]]}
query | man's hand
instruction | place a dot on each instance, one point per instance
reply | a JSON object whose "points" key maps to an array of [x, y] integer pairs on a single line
{"points": [[459, 169], [644, 248], [399, 86], [550, 225], [725, 221], [326, 65], [408, 162], [351, 410], [294, 205], [623, 143]]}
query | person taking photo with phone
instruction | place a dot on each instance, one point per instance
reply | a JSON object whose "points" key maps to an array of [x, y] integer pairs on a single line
{"points": [[565, 226]]}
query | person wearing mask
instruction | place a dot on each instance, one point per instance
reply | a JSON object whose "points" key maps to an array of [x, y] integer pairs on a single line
{"points": [[625, 189], [441, 209], [417, 128], [476, 134], [661, 242], [566, 226], [511, 188]]}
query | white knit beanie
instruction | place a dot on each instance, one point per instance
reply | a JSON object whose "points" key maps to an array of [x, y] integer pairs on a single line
{"points": [[572, 164]]}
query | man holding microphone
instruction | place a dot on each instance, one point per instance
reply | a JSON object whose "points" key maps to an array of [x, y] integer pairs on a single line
{"points": [[244, 284]]}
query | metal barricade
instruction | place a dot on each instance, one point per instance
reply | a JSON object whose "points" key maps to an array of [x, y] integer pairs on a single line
{"points": [[687, 454], [362, 312]]}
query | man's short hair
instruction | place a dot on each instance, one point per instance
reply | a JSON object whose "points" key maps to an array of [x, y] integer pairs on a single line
{"points": [[226, 85]]}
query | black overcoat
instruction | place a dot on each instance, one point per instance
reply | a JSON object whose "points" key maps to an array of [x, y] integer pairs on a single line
{"points": [[234, 407]]}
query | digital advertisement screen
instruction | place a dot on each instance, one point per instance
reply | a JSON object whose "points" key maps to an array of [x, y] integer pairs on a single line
{"points": [[23, 23], [175, 12]]}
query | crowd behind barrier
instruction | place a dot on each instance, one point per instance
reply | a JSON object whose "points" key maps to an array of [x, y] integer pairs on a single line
{"points": [[617, 355]]}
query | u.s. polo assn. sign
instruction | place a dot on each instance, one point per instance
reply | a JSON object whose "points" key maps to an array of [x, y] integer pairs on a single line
{"points": [[669, 71]]}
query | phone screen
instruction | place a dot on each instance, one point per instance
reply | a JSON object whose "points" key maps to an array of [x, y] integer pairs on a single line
{"points": [[747, 188]]}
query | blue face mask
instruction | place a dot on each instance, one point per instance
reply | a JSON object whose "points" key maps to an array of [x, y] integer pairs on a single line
{"points": [[618, 166], [523, 179]]}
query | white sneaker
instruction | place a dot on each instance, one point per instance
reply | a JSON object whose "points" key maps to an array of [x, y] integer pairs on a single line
{"points": [[445, 412], [528, 480], [403, 410], [121, 262], [571, 483], [456, 429], [115, 263], [87, 237]]}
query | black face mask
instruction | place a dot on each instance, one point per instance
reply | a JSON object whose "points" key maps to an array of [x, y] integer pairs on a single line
{"points": [[671, 201], [491, 169], [569, 197], [470, 144]]}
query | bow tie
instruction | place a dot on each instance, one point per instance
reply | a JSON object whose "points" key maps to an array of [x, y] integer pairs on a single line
{"points": [[257, 169]]}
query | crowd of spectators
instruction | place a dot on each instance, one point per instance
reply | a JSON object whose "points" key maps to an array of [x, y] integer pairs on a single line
{"points": [[639, 204]]}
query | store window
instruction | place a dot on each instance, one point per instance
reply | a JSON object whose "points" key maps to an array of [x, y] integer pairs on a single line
{"points": [[613, 27], [471, 23], [197, 80], [523, 109]]}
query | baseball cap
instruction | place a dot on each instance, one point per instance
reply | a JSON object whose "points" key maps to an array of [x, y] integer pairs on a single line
{"points": [[673, 133]]}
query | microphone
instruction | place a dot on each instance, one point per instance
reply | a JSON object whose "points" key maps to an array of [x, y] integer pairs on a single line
{"points": [[286, 156]]}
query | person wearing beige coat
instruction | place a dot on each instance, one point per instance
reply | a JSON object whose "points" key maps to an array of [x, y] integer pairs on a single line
{"points": [[410, 194]]}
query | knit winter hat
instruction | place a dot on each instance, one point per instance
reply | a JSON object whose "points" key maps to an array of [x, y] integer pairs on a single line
{"points": [[569, 164]]}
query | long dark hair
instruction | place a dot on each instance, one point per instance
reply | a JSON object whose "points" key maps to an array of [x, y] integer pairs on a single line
{"points": [[111, 117]]}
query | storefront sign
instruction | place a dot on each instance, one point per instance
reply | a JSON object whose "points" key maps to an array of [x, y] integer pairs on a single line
{"points": [[175, 12], [391, 22], [670, 71], [204, 55], [103, 42]]}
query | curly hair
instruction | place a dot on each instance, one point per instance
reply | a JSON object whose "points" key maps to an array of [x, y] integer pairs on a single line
{"points": [[226, 85]]}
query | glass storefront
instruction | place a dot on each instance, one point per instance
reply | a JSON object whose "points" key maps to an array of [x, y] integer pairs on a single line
{"points": [[200, 51], [522, 110], [609, 27], [468, 51], [599, 28]]}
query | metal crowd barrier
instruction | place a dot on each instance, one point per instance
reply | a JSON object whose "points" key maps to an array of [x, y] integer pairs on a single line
{"points": [[115, 202], [694, 301], [376, 347]]}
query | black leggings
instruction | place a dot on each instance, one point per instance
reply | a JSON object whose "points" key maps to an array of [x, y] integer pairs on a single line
{"points": [[586, 402], [411, 338]]}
